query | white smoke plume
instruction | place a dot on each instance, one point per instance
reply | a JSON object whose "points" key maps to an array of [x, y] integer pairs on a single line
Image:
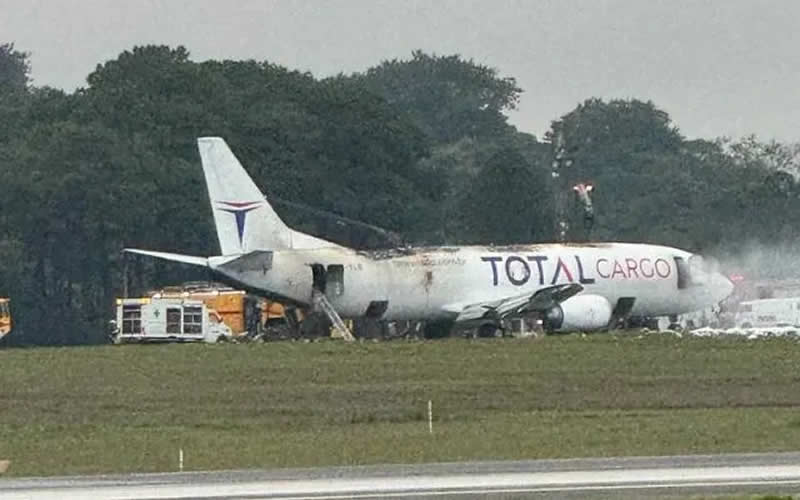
{"points": [[755, 260]]}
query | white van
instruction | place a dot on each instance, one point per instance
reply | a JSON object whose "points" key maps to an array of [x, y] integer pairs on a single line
{"points": [[768, 313]]}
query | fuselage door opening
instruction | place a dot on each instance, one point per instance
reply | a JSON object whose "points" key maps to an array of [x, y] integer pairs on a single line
{"points": [[335, 280], [329, 281]]}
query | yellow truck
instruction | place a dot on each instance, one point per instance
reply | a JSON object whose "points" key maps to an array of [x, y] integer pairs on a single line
{"points": [[5, 316]]}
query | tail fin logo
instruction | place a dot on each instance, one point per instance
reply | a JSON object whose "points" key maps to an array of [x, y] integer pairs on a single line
{"points": [[239, 209]]}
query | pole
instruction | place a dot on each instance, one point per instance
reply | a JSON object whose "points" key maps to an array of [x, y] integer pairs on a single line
{"points": [[430, 417]]}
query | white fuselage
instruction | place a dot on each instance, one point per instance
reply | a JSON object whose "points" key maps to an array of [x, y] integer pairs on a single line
{"points": [[463, 284], [427, 283]]}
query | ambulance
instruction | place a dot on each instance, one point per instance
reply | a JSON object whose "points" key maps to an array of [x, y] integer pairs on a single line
{"points": [[155, 319]]}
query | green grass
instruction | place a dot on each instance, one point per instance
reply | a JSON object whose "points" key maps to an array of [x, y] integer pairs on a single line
{"points": [[129, 408]]}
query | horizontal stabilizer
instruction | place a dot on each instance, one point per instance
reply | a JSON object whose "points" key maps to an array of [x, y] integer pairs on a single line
{"points": [[258, 260], [174, 257]]}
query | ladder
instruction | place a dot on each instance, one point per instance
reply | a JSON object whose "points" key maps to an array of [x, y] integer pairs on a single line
{"points": [[321, 302]]}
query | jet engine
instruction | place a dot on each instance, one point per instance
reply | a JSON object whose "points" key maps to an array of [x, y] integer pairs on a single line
{"points": [[581, 312]]}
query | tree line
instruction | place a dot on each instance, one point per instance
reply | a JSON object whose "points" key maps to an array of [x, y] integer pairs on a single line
{"points": [[420, 146]]}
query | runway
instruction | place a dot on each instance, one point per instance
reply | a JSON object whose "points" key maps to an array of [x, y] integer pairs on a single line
{"points": [[638, 477]]}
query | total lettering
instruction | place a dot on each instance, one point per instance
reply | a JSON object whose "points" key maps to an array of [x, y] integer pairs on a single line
{"points": [[519, 270]]}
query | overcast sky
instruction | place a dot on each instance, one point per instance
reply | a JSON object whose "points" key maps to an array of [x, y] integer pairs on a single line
{"points": [[726, 67]]}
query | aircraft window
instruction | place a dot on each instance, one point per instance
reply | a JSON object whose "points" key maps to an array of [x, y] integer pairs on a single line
{"points": [[335, 280], [173, 320], [193, 319], [4, 309], [131, 319]]}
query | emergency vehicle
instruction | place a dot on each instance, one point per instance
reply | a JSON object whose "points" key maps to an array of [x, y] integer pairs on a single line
{"points": [[167, 320], [245, 314], [768, 313]]}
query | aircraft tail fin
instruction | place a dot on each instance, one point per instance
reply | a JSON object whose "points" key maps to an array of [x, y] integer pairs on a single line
{"points": [[245, 221]]}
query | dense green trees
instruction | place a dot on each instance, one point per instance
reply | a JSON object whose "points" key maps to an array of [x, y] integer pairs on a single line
{"points": [[654, 185], [14, 68], [419, 146], [446, 97]]}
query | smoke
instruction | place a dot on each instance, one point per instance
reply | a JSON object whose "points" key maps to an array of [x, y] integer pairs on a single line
{"points": [[754, 260]]}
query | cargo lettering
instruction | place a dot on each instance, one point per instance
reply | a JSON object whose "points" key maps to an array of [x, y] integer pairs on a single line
{"points": [[518, 274], [539, 259], [559, 267], [493, 261], [633, 268], [520, 270]]}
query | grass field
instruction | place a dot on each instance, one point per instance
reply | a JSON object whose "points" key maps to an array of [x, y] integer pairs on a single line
{"points": [[130, 408]]}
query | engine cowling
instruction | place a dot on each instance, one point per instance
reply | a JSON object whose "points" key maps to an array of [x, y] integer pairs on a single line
{"points": [[581, 312]]}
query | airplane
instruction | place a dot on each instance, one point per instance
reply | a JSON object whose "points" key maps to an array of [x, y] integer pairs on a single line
{"points": [[567, 286]]}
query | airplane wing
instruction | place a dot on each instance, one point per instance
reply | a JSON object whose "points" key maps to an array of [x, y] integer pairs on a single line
{"points": [[541, 300]]}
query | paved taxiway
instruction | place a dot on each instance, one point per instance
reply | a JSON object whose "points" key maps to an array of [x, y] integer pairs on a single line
{"points": [[653, 477]]}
